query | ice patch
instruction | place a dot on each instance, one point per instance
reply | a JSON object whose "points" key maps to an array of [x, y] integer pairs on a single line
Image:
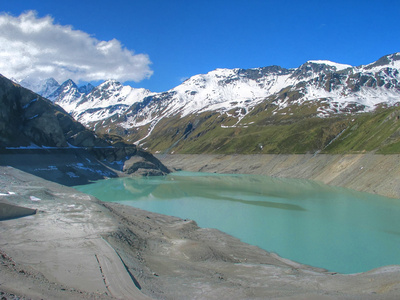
{"points": [[35, 199], [31, 146], [8, 194], [35, 116], [49, 168], [104, 174], [72, 146], [338, 66], [80, 166], [27, 105], [72, 175]]}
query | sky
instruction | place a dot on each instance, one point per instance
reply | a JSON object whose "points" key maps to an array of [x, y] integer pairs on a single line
{"points": [[156, 44]]}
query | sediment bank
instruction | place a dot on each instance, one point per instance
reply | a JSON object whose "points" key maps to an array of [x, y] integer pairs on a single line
{"points": [[372, 173]]}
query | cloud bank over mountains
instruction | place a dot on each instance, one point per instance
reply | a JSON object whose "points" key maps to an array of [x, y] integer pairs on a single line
{"points": [[33, 47]]}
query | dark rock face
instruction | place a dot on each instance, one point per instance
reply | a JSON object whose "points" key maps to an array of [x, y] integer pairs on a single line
{"points": [[144, 164], [27, 119]]}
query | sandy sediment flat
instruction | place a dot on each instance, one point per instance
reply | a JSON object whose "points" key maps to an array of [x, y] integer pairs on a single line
{"points": [[76, 247], [372, 173], [61, 246]]}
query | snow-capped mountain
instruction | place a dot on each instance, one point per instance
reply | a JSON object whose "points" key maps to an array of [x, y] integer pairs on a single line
{"points": [[88, 103], [108, 99], [44, 88], [331, 88], [338, 88], [343, 89], [66, 95]]}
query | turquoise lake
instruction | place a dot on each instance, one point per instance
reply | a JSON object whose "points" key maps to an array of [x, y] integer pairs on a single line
{"points": [[333, 228]]}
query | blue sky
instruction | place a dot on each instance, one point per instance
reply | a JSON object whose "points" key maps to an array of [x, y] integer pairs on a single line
{"points": [[185, 38]]}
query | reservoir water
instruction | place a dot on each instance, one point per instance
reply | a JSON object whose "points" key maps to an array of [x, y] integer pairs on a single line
{"points": [[333, 228]]}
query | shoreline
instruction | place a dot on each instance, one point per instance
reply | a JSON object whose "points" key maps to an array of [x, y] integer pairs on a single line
{"points": [[371, 173], [78, 247]]}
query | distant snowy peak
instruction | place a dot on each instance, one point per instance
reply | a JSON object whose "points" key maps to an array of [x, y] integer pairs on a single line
{"points": [[337, 66], [225, 89], [112, 92], [387, 61], [67, 95], [66, 88], [89, 104], [42, 87], [228, 75], [49, 87], [314, 68]]}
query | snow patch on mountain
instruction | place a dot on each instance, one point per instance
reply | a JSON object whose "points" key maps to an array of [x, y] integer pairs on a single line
{"points": [[338, 66]]}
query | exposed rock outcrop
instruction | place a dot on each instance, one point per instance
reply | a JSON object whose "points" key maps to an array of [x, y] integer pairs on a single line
{"points": [[29, 122]]}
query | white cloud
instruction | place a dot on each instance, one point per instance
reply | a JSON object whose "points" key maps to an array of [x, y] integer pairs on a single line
{"points": [[33, 47]]}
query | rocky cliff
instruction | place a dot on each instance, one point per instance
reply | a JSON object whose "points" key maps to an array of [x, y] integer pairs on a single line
{"points": [[31, 124]]}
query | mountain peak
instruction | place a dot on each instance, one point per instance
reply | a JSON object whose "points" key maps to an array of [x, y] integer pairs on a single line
{"points": [[51, 80], [337, 66], [86, 89], [390, 60], [110, 82], [69, 83], [42, 87], [68, 87]]}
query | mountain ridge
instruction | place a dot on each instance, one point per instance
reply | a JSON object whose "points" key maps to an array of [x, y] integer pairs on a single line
{"points": [[238, 98]]}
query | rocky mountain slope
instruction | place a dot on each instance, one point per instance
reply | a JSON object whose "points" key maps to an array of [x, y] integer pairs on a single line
{"points": [[31, 124], [214, 111]]}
